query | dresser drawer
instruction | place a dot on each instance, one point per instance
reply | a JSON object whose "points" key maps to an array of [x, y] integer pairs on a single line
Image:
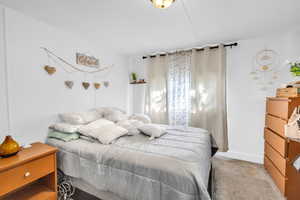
{"points": [[275, 124], [279, 180], [19, 176], [279, 162], [277, 142], [278, 107]]}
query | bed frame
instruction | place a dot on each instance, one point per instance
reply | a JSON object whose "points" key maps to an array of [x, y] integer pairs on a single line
{"points": [[78, 194]]}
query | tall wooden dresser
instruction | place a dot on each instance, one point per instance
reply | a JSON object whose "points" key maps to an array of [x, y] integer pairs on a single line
{"points": [[281, 152]]}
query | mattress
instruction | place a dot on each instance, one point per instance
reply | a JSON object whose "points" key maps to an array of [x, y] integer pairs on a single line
{"points": [[175, 166]]}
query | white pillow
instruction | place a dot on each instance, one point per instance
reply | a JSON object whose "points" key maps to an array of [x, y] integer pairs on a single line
{"points": [[141, 117], [72, 118], [86, 129], [107, 110], [108, 133], [154, 131], [115, 116], [101, 111], [90, 116], [80, 117], [136, 123], [131, 126], [116, 109], [64, 127]]}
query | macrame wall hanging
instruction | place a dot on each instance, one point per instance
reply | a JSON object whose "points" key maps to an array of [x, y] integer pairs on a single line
{"points": [[84, 64], [265, 69]]}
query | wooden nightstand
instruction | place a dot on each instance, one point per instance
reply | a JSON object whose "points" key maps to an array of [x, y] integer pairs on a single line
{"points": [[31, 174]]}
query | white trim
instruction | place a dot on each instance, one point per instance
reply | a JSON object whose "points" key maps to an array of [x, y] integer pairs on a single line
{"points": [[6, 74], [243, 156]]}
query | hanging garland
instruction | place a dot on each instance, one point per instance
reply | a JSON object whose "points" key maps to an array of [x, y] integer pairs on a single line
{"points": [[75, 68]]}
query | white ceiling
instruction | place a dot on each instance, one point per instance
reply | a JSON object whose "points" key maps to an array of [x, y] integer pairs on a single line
{"points": [[136, 27]]}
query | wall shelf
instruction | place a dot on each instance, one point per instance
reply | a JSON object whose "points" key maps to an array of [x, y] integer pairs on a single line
{"points": [[136, 83]]}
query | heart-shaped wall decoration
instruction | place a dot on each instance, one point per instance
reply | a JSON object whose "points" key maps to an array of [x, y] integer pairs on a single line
{"points": [[106, 84], [86, 85], [97, 85], [69, 84], [50, 70]]}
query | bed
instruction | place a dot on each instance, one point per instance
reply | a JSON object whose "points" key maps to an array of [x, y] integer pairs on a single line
{"points": [[175, 166]]}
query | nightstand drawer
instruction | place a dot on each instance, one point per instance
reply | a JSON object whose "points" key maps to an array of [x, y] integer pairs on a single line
{"points": [[275, 124], [26, 173], [277, 142]]}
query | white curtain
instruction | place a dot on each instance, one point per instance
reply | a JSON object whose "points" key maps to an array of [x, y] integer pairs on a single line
{"points": [[178, 88], [156, 92], [208, 93], [189, 89]]}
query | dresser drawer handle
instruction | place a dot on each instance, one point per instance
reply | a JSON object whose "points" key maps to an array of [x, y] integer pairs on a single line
{"points": [[27, 174]]}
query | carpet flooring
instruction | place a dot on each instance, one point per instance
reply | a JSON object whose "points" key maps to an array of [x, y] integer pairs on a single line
{"points": [[240, 180], [233, 180]]}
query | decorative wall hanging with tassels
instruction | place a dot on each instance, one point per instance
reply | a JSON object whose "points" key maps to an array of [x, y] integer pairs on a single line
{"points": [[265, 70]]}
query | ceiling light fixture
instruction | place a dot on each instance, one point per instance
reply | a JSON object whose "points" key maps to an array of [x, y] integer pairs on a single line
{"points": [[162, 3]]}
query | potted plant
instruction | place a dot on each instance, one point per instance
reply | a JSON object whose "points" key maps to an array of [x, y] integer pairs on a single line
{"points": [[295, 68], [133, 77]]}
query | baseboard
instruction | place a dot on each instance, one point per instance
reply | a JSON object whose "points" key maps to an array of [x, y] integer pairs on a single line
{"points": [[242, 156]]}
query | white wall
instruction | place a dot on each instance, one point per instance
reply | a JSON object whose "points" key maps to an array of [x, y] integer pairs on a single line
{"points": [[35, 97], [137, 65], [3, 105], [245, 100]]}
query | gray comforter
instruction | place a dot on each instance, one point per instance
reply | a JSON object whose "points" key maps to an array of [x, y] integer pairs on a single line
{"points": [[173, 167]]}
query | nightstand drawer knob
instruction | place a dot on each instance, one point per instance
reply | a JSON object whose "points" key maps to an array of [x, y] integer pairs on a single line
{"points": [[27, 174]]}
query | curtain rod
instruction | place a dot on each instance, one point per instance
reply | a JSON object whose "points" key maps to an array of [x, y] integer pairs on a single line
{"points": [[200, 49]]}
